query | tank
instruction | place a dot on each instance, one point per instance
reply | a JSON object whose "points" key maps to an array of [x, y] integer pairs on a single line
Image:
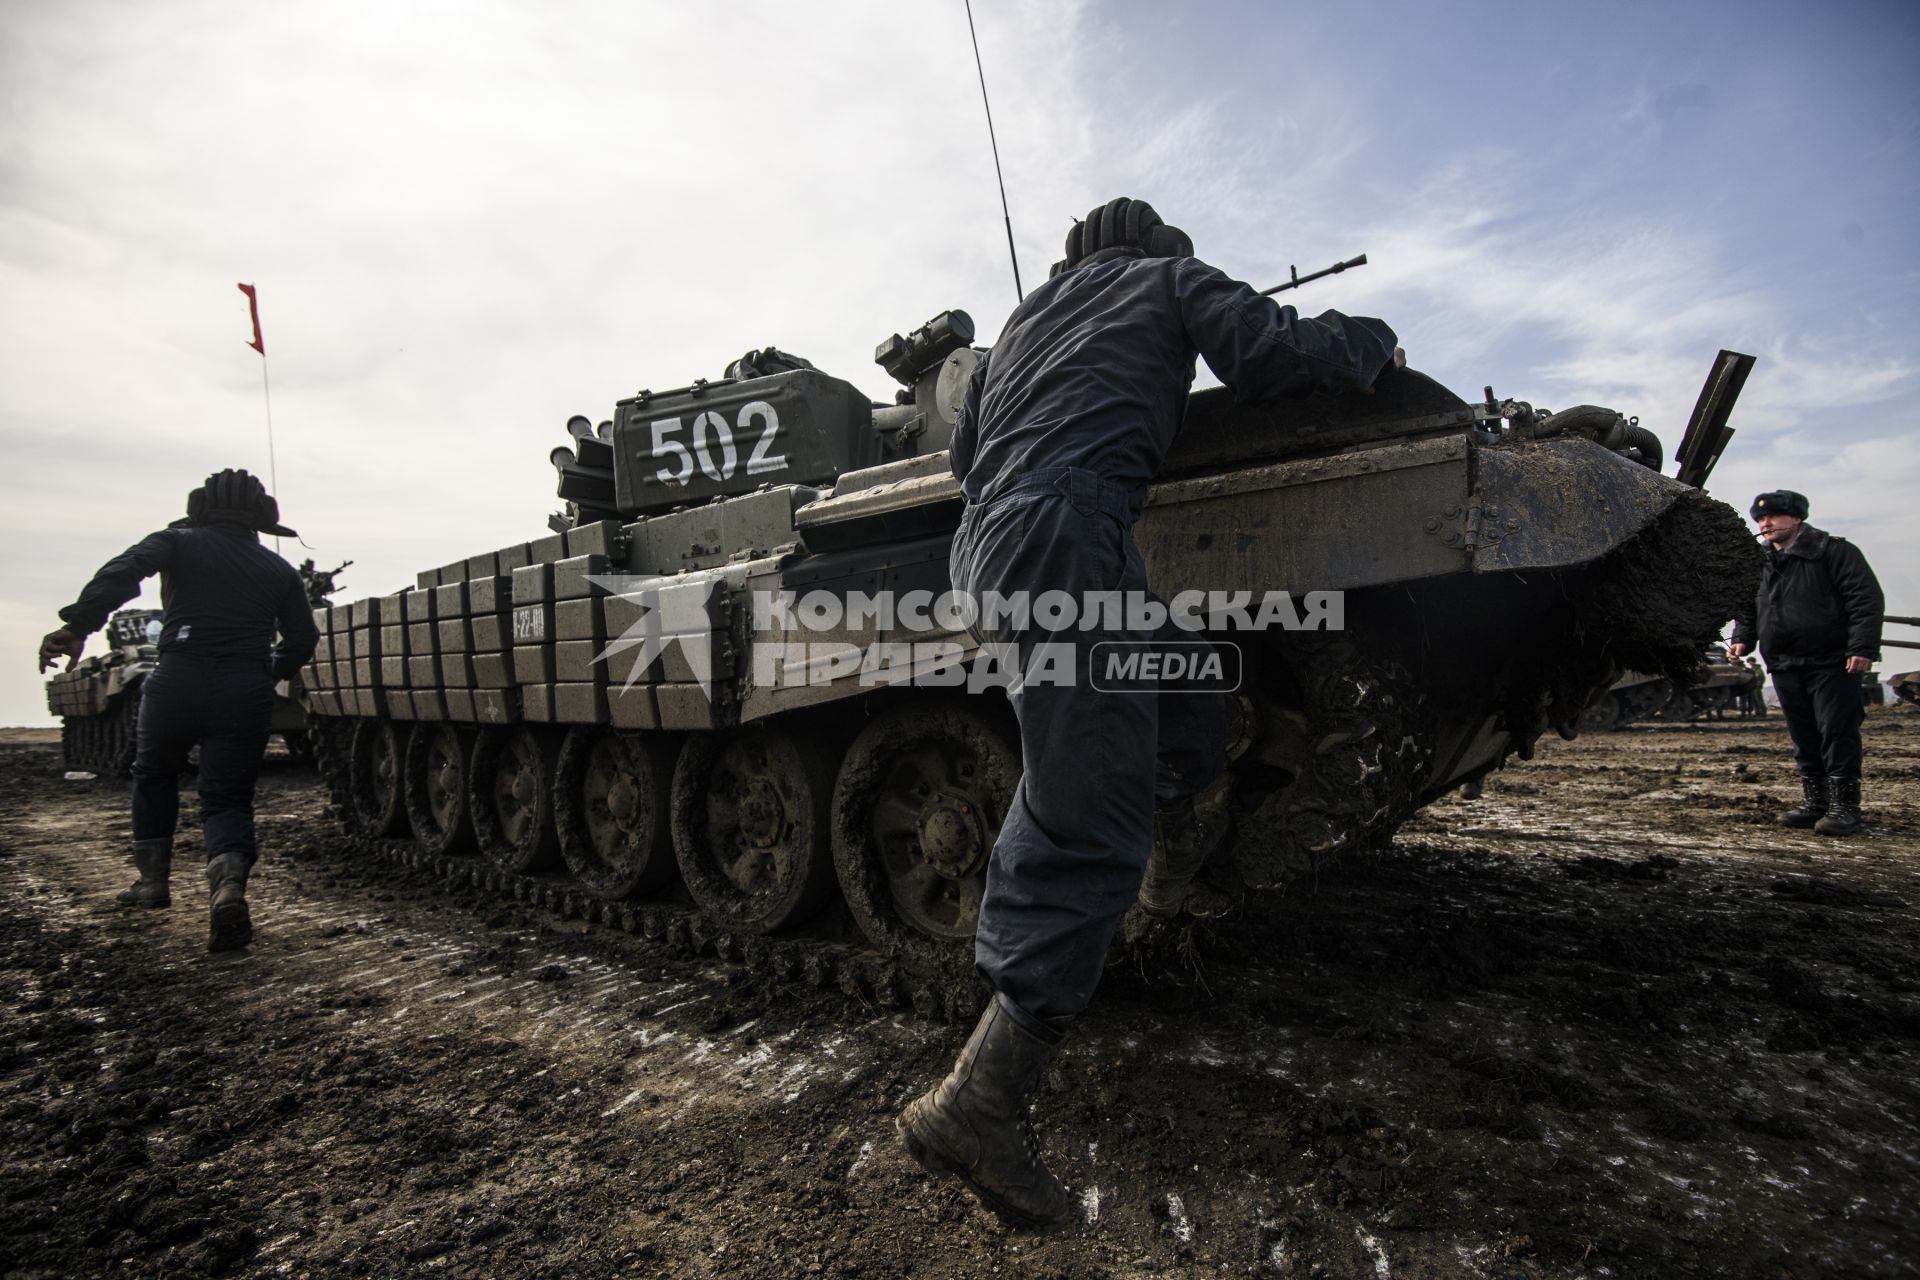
{"points": [[1905, 684], [679, 711], [1717, 686], [98, 702]]}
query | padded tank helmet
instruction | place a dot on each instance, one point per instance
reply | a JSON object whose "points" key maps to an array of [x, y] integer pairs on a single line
{"points": [[1122, 228], [235, 497]]}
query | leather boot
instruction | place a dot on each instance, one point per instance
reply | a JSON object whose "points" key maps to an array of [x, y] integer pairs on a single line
{"points": [[1813, 806], [229, 927], [976, 1126], [1843, 808], [154, 860], [1185, 834]]}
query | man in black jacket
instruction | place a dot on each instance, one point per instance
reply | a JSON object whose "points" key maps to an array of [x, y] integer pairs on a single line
{"points": [[1062, 428], [222, 597], [1816, 617]]}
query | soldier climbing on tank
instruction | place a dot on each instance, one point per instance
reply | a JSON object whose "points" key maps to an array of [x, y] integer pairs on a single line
{"points": [[1063, 426], [223, 596], [1817, 616]]}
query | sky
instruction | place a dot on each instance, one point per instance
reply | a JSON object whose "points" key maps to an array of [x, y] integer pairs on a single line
{"points": [[468, 222]]}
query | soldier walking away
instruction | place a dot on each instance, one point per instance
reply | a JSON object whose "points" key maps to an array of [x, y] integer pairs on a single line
{"points": [[222, 595], [1816, 617], [1062, 428]]}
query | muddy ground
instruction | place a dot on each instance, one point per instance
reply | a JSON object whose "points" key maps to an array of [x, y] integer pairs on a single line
{"points": [[1608, 1020]]}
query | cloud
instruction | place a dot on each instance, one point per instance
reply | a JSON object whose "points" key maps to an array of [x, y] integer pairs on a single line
{"points": [[470, 221], [467, 223]]}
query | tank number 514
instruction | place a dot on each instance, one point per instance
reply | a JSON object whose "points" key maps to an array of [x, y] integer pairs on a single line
{"points": [[712, 445]]}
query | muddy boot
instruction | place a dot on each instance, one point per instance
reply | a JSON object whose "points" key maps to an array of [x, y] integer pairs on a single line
{"points": [[975, 1124], [229, 927], [1185, 834], [154, 860], [1843, 808], [1812, 808]]}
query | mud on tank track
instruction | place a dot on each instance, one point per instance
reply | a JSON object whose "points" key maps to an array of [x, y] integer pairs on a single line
{"points": [[1607, 1020]]}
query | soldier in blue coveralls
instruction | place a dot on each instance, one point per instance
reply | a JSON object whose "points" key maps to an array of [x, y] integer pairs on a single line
{"points": [[1063, 426], [222, 597]]}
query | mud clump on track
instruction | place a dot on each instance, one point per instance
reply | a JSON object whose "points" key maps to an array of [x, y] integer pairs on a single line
{"points": [[1692, 569], [1608, 1019]]}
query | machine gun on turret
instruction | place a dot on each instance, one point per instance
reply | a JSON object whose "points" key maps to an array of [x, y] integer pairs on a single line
{"points": [[320, 584]]}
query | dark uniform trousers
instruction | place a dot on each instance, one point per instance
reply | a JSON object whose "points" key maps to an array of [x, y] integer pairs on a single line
{"points": [[1069, 859], [225, 706], [1824, 713]]}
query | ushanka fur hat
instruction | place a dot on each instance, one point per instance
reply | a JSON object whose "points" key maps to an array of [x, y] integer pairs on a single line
{"points": [[1780, 502]]}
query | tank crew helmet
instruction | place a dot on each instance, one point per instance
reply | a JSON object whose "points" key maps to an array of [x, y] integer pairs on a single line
{"points": [[1780, 502], [234, 497], [1122, 228]]}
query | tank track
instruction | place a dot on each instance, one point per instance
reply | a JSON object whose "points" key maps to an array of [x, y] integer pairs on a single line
{"points": [[106, 744], [952, 995], [1373, 742], [103, 744]]}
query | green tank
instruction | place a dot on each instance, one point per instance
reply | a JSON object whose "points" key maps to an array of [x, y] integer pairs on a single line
{"points": [[678, 711]]}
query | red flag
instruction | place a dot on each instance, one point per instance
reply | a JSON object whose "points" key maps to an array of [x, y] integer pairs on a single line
{"points": [[253, 309]]}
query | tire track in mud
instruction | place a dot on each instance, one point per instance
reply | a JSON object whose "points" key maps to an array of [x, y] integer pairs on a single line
{"points": [[355, 945], [1477, 1054], [1707, 791], [423, 973]]}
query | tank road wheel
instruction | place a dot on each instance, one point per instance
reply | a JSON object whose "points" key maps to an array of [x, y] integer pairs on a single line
{"points": [[299, 745], [611, 797], [510, 795], [436, 788], [749, 815], [123, 724], [332, 738], [376, 794], [916, 811]]}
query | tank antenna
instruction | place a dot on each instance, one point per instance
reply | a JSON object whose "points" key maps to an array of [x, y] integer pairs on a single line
{"points": [[1018, 292]]}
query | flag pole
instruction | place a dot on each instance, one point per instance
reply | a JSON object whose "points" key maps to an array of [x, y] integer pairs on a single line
{"points": [[266, 390], [273, 467]]}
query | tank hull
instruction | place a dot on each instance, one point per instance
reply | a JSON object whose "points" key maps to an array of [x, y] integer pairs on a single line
{"points": [[714, 684]]}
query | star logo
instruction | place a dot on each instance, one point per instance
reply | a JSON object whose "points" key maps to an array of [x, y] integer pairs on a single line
{"points": [[668, 613]]}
